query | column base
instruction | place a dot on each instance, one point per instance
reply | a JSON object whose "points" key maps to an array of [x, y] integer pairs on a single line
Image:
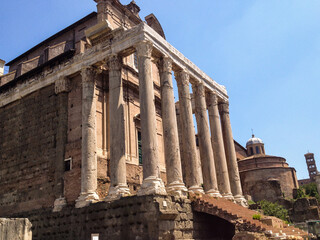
{"points": [[117, 192], [177, 189], [85, 199], [152, 185], [228, 196], [239, 199], [59, 203], [196, 189], [214, 193]]}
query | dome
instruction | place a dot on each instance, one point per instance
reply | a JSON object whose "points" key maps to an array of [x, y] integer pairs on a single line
{"points": [[253, 140]]}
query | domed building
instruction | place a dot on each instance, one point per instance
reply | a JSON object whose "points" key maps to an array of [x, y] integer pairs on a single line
{"points": [[264, 176]]}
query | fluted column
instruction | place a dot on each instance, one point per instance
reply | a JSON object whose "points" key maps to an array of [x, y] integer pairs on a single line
{"points": [[175, 183], [205, 146], [234, 175], [218, 147], [193, 177], [118, 186], [152, 183], [88, 151]]}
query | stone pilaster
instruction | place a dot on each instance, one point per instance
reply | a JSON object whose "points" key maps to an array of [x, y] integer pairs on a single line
{"points": [[193, 176], [152, 183], [175, 183], [234, 175], [62, 87], [88, 151], [218, 147], [205, 146], [118, 187]]}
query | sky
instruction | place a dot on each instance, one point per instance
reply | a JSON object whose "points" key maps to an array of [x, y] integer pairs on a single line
{"points": [[266, 53]]}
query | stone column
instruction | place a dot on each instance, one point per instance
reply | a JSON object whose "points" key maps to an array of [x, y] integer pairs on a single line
{"points": [[193, 176], [152, 183], [62, 87], [88, 154], [206, 152], [231, 154], [218, 147], [118, 186], [175, 184]]}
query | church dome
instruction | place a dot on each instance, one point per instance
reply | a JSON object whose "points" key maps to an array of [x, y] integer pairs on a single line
{"points": [[253, 140]]}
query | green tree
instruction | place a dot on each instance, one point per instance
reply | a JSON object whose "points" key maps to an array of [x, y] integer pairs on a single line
{"points": [[274, 209], [311, 190]]}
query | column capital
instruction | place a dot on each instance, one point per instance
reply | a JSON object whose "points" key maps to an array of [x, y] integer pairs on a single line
{"points": [[224, 107], [88, 73], [199, 89], [165, 64], [144, 49], [182, 77], [114, 62], [212, 99], [62, 85]]}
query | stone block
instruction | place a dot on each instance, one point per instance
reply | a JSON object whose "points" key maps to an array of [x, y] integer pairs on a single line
{"points": [[14, 228]]}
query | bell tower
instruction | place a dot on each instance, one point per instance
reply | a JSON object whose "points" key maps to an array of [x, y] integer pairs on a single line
{"points": [[311, 164]]}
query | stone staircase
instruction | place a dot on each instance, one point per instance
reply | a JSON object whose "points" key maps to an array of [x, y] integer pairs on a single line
{"points": [[242, 217]]}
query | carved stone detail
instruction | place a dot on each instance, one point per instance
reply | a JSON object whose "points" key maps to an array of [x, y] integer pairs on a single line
{"points": [[62, 85], [165, 65], [88, 74], [144, 49], [114, 63], [183, 77]]}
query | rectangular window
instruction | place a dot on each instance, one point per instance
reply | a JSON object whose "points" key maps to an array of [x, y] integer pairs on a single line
{"points": [[67, 164], [257, 150], [135, 59], [95, 236], [140, 147]]}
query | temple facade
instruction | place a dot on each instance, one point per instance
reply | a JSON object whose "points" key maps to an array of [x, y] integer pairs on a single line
{"points": [[92, 117]]}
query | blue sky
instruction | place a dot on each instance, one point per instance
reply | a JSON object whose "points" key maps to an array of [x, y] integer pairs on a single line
{"points": [[266, 53]]}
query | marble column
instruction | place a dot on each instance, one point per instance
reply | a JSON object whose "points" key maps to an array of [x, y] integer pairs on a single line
{"points": [[118, 186], [152, 183], [232, 163], [88, 193], [205, 146], [193, 176], [62, 87], [175, 185], [218, 147]]}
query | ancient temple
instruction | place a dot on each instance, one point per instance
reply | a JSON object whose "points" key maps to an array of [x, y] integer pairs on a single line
{"points": [[90, 143]]}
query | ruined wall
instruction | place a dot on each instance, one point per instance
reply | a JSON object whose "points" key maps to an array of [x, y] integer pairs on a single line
{"points": [[144, 217], [17, 229], [268, 183], [27, 152]]}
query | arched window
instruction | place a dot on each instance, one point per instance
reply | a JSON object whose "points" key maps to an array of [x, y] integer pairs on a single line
{"points": [[251, 151], [257, 150]]}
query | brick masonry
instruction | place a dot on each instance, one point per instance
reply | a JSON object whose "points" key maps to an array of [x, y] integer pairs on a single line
{"points": [[144, 217], [28, 147]]}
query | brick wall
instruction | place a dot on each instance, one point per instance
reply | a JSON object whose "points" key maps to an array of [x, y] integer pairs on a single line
{"points": [[144, 217], [27, 149]]}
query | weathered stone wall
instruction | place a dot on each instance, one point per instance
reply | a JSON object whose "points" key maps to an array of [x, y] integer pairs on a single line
{"points": [[27, 152], [144, 217], [15, 229], [268, 183]]}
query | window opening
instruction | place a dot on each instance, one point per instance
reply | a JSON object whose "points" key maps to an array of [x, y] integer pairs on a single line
{"points": [[140, 147], [67, 164]]}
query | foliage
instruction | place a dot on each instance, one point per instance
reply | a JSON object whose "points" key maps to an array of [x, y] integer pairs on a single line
{"points": [[311, 190], [256, 216], [274, 209], [250, 202], [300, 193]]}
